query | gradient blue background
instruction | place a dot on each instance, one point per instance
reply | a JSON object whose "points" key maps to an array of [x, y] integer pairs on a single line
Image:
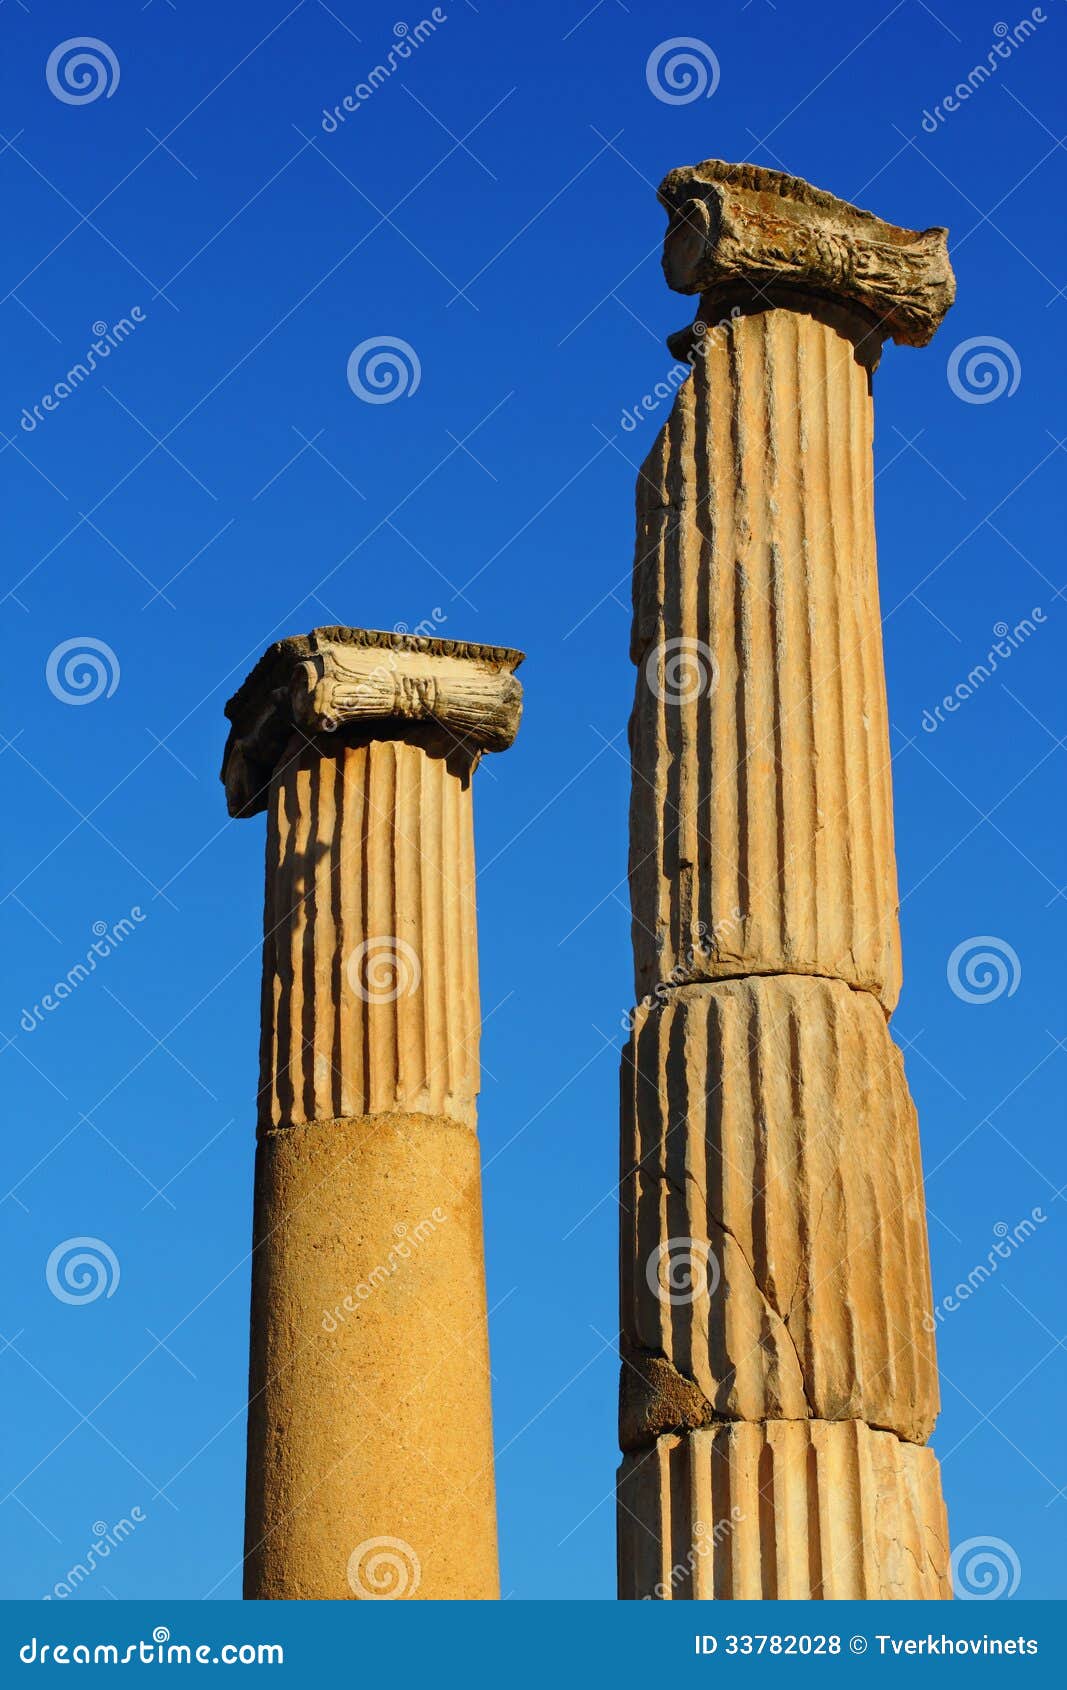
{"points": [[217, 485]]}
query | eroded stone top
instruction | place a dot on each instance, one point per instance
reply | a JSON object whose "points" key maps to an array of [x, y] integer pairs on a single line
{"points": [[743, 235], [336, 678]]}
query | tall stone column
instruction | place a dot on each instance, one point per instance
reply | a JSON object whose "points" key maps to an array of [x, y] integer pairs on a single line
{"points": [[370, 1459], [778, 1380]]}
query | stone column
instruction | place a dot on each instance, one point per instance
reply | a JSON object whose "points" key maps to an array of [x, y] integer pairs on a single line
{"points": [[370, 1460], [778, 1379]]}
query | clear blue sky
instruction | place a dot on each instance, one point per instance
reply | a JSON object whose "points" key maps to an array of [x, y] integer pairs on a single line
{"points": [[216, 484]]}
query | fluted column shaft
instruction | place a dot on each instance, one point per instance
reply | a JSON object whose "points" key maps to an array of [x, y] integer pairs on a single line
{"points": [[771, 1164], [761, 816], [370, 958], [787, 1510], [370, 1458], [778, 1379]]}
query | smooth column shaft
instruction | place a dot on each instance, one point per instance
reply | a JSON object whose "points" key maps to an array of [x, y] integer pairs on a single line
{"points": [[370, 1442]]}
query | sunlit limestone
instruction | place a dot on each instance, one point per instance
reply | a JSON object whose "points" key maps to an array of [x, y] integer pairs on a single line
{"points": [[778, 1369], [370, 1463]]}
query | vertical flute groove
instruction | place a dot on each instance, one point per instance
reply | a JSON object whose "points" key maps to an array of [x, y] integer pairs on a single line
{"points": [[789, 1511], [370, 997], [761, 838], [779, 1378]]}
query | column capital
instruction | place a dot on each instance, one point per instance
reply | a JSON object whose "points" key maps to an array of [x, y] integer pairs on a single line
{"points": [[744, 236], [339, 678]]}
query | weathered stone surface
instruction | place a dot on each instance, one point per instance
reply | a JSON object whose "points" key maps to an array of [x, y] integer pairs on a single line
{"points": [[370, 1456], [655, 1398], [369, 1413], [741, 233], [761, 826], [774, 1265], [370, 953], [787, 1510], [774, 1247], [462, 698]]}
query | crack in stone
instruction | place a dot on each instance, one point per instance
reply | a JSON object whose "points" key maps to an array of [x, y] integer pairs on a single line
{"points": [[662, 1426], [803, 1269], [719, 1222], [746, 971]]}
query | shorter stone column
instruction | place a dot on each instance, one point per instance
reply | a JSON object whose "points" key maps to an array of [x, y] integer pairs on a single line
{"points": [[370, 1462]]}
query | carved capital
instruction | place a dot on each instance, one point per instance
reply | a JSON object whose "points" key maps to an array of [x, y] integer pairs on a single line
{"points": [[742, 235], [335, 679]]}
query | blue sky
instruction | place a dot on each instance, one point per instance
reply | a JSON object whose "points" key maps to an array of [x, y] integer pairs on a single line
{"points": [[215, 483]]}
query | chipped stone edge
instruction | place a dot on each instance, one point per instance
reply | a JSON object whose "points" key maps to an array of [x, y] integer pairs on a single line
{"points": [[327, 679], [742, 235]]}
